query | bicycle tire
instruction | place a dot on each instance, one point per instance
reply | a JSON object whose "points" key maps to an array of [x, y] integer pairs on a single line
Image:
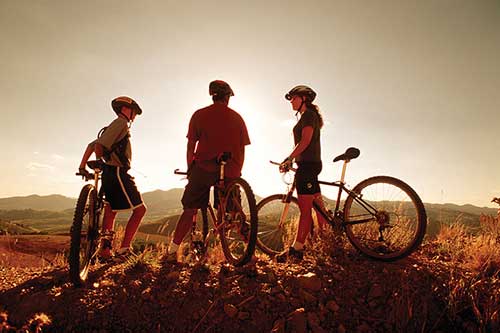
{"points": [[400, 223], [238, 228], [273, 238], [82, 248]]}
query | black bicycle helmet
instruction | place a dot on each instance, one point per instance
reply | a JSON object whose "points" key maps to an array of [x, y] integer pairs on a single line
{"points": [[301, 90], [221, 88], [118, 102]]}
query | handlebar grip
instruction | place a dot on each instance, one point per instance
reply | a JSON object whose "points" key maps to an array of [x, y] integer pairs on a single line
{"points": [[289, 169], [177, 172], [87, 176]]}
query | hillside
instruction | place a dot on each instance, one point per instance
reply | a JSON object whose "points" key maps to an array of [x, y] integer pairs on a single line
{"points": [[333, 290], [166, 205], [53, 202]]}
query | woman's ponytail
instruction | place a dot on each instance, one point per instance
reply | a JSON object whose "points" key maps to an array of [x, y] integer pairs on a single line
{"points": [[315, 108]]}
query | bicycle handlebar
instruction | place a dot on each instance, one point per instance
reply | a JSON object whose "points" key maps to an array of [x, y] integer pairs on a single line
{"points": [[85, 175], [178, 172], [277, 163]]}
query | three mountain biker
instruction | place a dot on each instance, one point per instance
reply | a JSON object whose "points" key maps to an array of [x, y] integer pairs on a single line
{"points": [[213, 129]]}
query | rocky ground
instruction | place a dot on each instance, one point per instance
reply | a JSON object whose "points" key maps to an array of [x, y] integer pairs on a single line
{"points": [[334, 289]]}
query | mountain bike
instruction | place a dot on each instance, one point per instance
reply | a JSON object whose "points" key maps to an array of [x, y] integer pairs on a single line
{"points": [[233, 216], [85, 230], [382, 216]]}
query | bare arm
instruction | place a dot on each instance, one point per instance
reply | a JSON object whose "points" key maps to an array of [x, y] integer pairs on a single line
{"points": [[86, 155], [191, 145], [307, 133], [91, 148], [99, 151]]}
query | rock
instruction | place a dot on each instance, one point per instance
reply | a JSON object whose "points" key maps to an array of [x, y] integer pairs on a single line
{"points": [[363, 328], [295, 302], [307, 297], [279, 326], [312, 319], [243, 315], [309, 281], [376, 291], [332, 306], [230, 310], [337, 277], [296, 321], [173, 276]]}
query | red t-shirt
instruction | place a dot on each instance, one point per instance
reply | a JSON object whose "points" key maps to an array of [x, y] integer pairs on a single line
{"points": [[218, 129]]}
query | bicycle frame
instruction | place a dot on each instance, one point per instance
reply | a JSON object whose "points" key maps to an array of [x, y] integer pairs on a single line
{"points": [[338, 213], [337, 216], [217, 218]]}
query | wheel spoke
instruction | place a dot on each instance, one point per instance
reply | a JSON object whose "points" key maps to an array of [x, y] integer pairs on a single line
{"points": [[239, 229], [278, 223], [399, 222]]}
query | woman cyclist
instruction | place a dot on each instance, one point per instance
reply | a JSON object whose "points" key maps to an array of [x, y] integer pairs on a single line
{"points": [[307, 155]]}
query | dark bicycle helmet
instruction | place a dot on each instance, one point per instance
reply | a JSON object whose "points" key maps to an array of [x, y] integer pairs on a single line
{"points": [[301, 90], [221, 88], [118, 102]]}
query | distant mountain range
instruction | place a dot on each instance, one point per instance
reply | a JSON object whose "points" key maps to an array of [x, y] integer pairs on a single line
{"points": [[53, 213], [157, 201], [53, 202]]}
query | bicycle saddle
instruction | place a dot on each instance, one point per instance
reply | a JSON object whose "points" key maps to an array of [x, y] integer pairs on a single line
{"points": [[350, 154], [95, 164]]}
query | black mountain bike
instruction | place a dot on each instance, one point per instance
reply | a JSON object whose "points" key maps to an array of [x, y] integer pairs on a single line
{"points": [[382, 216], [86, 228], [234, 219]]}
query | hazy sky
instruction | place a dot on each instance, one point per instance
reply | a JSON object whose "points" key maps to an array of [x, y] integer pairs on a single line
{"points": [[413, 84]]}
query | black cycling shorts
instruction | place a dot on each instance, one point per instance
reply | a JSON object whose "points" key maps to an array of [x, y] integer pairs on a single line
{"points": [[120, 191], [306, 177]]}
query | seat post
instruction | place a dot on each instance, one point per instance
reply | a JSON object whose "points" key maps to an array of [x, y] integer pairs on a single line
{"points": [[344, 166], [221, 174], [96, 178]]}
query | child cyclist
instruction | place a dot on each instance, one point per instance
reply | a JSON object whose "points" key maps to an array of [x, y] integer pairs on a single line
{"points": [[120, 192]]}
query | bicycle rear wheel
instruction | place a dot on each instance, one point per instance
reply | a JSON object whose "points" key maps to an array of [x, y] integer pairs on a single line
{"points": [[238, 222], [384, 218], [84, 234], [278, 222]]}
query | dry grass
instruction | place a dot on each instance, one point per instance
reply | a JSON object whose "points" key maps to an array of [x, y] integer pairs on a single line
{"points": [[451, 240], [474, 287]]}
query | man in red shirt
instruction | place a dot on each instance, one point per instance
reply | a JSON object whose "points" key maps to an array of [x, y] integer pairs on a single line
{"points": [[212, 130]]}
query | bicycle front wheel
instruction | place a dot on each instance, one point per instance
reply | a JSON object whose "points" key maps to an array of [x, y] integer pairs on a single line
{"points": [[84, 233], [278, 221], [384, 218], [238, 222]]}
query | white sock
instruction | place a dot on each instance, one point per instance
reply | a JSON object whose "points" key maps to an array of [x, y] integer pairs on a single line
{"points": [[298, 246], [172, 248]]}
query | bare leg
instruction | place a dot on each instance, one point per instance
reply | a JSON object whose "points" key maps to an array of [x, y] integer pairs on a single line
{"points": [[184, 225], [133, 225], [107, 225], [305, 221], [318, 198]]}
